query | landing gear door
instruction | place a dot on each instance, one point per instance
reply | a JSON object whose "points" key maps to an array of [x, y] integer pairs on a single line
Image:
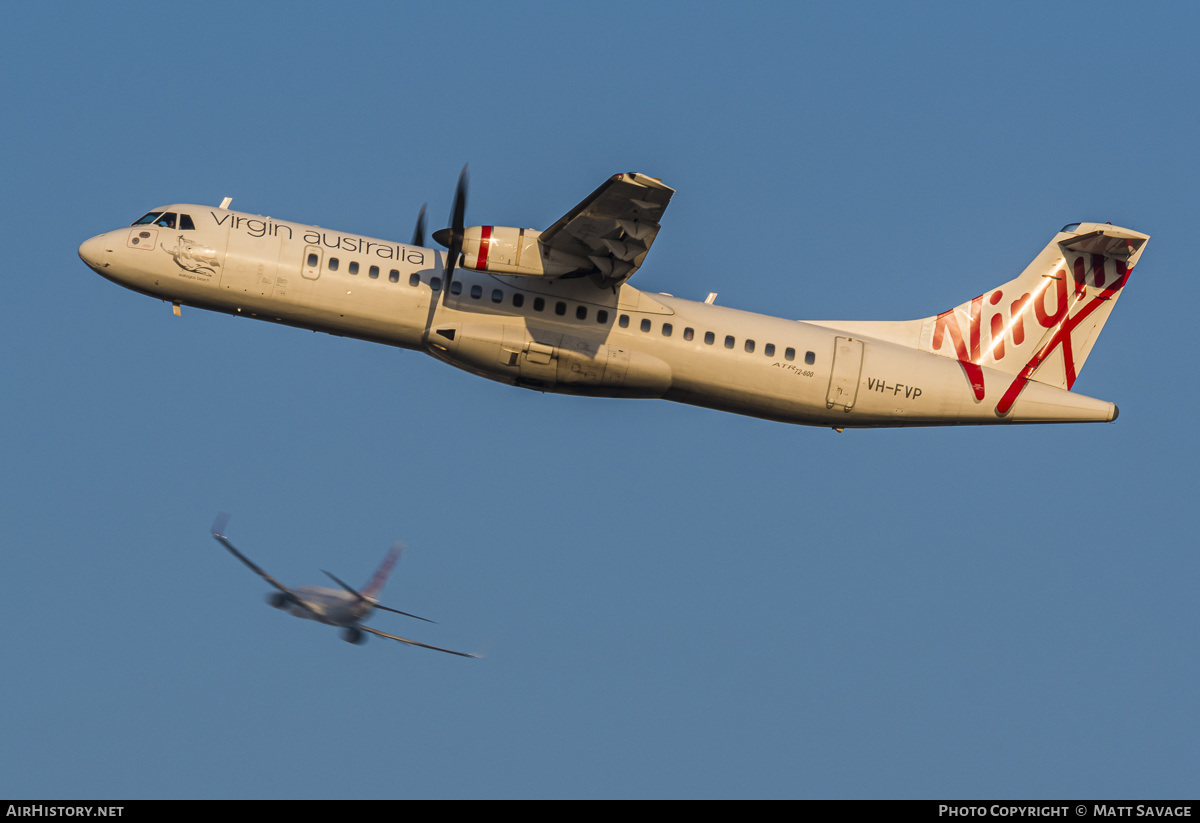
{"points": [[843, 379], [535, 353]]}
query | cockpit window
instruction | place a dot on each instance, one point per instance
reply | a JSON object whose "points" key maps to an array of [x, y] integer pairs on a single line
{"points": [[185, 222], [165, 219]]}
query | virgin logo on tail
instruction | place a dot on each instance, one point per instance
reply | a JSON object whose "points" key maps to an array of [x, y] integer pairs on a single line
{"points": [[1054, 305]]}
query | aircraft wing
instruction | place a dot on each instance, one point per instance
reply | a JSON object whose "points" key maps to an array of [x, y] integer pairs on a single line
{"points": [[413, 642], [218, 527], [371, 603], [611, 231]]}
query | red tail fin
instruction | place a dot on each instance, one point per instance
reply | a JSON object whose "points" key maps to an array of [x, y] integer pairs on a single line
{"points": [[375, 586]]}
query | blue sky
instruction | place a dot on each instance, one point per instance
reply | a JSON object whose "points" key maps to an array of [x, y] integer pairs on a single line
{"points": [[674, 602]]}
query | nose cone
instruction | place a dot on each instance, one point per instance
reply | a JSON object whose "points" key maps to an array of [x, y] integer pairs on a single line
{"points": [[93, 252]]}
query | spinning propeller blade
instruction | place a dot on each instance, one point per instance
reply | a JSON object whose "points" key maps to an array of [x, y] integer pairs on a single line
{"points": [[452, 237], [419, 232]]}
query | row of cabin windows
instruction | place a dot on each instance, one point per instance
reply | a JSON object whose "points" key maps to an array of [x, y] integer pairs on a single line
{"points": [[710, 338], [538, 304], [353, 268], [560, 309], [333, 264]]}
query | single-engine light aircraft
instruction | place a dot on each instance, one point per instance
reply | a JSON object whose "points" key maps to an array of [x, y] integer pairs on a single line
{"points": [[345, 607], [552, 311]]}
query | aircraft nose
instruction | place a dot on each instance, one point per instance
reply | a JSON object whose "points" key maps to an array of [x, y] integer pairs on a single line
{"points": [[93, 252]]}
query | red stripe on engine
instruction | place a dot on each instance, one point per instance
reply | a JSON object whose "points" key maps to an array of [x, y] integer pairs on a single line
{"points": [[485, 240]]}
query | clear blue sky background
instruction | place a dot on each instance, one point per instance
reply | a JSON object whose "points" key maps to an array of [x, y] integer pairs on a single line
{"points": [[674, 601]]}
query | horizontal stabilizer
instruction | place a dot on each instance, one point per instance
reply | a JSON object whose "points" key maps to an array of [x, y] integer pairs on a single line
{"points": [[1115, 246]]}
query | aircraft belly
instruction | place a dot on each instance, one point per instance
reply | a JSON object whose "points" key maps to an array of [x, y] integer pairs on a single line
{"points": [[548, 360]]}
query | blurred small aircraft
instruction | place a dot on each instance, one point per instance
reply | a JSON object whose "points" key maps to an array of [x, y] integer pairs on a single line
{"points": [[345, 608]]}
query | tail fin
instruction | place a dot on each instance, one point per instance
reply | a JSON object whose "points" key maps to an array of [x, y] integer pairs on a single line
{"points": [[1042, 325], [375, 586]]}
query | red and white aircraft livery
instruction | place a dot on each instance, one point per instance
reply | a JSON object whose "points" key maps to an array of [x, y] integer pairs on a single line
{"points": [[553, 311]]}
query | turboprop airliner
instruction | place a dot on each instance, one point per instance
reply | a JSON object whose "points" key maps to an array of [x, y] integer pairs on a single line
{"points": [[345, 607], [553, 311]]}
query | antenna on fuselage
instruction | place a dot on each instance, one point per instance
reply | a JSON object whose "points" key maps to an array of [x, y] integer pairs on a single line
{"points": [[712, 298], [225, 203]]}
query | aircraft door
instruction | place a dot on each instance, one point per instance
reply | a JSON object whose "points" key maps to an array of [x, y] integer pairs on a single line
{"points": [[843, 378], [311, 267], [251, 263]]}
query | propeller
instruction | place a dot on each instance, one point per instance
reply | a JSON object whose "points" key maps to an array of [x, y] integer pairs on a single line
{"points": [[419, 231], [452, 238]]}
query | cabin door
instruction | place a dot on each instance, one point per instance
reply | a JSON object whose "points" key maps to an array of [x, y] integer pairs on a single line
{"points": [[843, 379]]}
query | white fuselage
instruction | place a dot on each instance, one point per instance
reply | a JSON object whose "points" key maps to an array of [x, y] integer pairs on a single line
{"points": [[330, 606], [558, 335]]}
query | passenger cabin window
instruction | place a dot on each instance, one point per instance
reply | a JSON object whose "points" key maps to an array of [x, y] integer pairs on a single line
{"points": [[476, 291], [312, 260], [414, 279], [689, 333], [623, 321], [749, 347], [560, 308], [394, 276], [333, 264], [456, 287], [789, 353], [581, 312], [354, 267], [435, 283], [709, 338], [667, 328], [645, 324], [497, 296], [809, 358], [729, 341], [769, 350], [602, 316], [373, 272], [539, 303], [518, 300]]}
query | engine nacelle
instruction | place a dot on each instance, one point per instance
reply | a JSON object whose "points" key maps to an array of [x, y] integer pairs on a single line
{"points": [[353, 635], [278, 600], [506, 250]]}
